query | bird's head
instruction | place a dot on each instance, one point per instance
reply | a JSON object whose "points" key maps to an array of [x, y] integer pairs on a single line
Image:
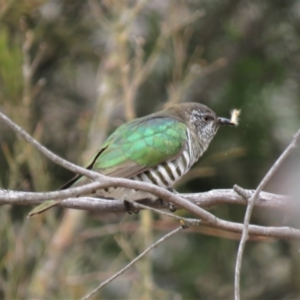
{"points": [[202, 120]]}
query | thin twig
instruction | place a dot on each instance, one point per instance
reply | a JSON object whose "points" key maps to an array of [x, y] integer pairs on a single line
{"points": [[250, 206], [254, 230], [188, 221], [104, 283]]}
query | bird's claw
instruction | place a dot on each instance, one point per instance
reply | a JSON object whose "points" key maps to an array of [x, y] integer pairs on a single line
{"points": [[129, 207], [172, 207]]}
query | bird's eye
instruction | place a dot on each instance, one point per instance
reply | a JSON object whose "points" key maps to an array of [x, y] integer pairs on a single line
{"points": [[207, 118]]}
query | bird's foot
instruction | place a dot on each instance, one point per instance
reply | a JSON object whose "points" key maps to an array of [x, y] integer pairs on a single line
{"points": [[171, 206], [129, 207], [172, 190]]}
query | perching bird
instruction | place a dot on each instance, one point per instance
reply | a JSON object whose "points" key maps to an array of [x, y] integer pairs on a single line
{"points": [[159, 148]]}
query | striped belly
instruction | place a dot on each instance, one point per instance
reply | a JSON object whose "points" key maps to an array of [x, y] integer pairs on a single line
{"points": [[163, 175], [166, 174]]}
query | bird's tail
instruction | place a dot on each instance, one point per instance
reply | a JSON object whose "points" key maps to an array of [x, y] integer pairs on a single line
{"points": [[50, 203], [42, 207]]}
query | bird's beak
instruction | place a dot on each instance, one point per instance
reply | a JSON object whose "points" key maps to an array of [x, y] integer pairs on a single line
{"points": [[224, 121]]}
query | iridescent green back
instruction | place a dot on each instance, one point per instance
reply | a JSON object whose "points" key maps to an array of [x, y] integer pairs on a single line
{"points": [[141, 144]]}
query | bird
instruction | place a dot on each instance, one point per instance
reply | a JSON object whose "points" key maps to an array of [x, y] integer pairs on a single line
{"points": [[158, 148]]}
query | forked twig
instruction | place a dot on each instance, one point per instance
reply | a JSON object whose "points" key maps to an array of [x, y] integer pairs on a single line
{"points": [[250, 206]]}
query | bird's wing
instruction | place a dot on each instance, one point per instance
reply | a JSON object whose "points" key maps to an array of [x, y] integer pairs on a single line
{"points": [[140, 145]]}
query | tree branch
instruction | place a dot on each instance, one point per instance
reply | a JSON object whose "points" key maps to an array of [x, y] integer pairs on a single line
{"points": [[205, 200], [251, 203]]}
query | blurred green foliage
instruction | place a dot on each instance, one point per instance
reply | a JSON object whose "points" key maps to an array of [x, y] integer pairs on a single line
{"points": [[95, 64]]}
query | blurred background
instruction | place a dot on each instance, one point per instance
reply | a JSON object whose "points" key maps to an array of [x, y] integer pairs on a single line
{"points": [[73, 71]]}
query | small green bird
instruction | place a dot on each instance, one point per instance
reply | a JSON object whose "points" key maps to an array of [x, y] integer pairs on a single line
{"points": [[159, 148]]}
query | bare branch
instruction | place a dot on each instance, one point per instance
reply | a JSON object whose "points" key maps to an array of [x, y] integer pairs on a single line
{"points": [[102, 205], [254, 230], [229, 196], [250, 206], [205, 200], [104, 283]]}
